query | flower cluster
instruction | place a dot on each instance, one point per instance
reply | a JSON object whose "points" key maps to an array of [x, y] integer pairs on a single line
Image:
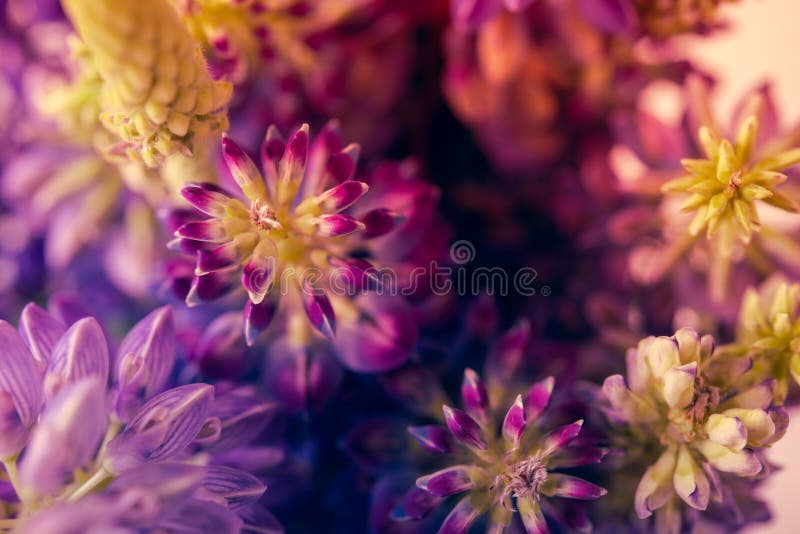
{"points": [[687, 402], [73, 434], [267, 244]]}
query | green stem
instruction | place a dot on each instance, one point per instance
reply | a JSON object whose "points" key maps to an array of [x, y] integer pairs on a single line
{"points": [[100, 476]]}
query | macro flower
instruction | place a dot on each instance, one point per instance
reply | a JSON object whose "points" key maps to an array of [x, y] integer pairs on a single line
{"points": [[684, 404], [768, 331], [501, 468], [725, 214], [74, 437], [157, 94], [288, 234]]}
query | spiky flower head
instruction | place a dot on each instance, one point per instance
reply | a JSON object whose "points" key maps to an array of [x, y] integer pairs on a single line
{"points": [[685, 404], [768, 331], [502, 468], [158, 95], [287, 231], [724, 193]]}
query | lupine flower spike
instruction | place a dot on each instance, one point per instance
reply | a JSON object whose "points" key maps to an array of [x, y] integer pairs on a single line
{"points": [[684, 403], [501, 468], [158, 94]]}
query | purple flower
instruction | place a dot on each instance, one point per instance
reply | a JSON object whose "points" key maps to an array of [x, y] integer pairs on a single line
{"points": [[499, 467]]}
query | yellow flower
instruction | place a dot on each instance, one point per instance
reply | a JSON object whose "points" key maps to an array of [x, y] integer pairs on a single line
{"points": [[158, 96]]}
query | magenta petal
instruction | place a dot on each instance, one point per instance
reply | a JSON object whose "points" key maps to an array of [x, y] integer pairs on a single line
{"points": [[464, 428], [460, 518], [379, 222], [560, 437], [257, 317], [208, 287], [319, 310], [342, 196], [162, 428], [207, 198], [239, 488], [242, 168], [294, 157], [473, 396], [352, 276], [258, 275], [537, 398], [67, 436], [574, 456], [40, 331], [433, 438], [470, 14], [514, 422], [212, 231], [574, 488], [225, 255], [342, 166], [80, 353], [448, 481], [336, 225], [302, 378], [272, 147]]}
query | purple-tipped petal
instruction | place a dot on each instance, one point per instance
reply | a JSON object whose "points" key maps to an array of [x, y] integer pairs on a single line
{"points": [[514, 423], [257, 317], [319, 310], [293, 162], [208, 287], [573, 487], [212, 231], [259, 273], [20, 376], [379, 222], [80, 353], [207, 198], [239, 488], [474, 397], [336, 225], [433, 438], [464, 428], [221, 257], [66, 438], [461, 517], [162, 428], [560, 437], [273, 146], [342, 196], [243, 169], [40, 331], [448, 481], [575, 456], [537, 398], [145, 359]]}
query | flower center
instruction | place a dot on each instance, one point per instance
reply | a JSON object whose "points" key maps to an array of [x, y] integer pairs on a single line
{"points": [[263, 216], [522, 479]]}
